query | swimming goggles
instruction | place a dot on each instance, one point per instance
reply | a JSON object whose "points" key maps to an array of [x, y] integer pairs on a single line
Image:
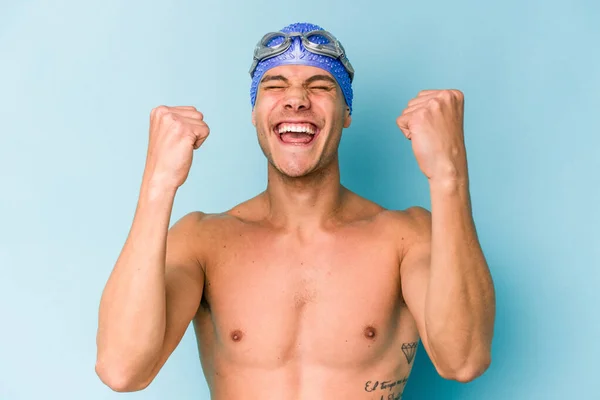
{"points": [[333, 48]]}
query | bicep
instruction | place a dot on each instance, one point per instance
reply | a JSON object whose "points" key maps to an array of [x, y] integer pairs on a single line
{"points": [[184, 282]]}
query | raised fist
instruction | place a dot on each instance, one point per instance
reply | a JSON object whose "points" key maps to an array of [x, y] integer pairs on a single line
{"points": [[175, 132]]}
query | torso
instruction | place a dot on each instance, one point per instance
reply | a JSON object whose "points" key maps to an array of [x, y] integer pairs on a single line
{"points": [[286, 317]]}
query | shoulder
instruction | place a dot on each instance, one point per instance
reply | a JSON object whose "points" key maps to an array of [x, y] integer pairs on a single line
{"points": [[409, 229], [416, 219], [205, 224], [210, 226], [192, 223], [193, 237]]}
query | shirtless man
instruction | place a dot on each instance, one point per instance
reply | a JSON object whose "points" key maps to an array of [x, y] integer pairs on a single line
{"points": [[306, 291]]}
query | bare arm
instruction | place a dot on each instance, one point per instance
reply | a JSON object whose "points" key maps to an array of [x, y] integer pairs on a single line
{"points": [[156, 284], [447, 284], [445, 278], [151, 296]]}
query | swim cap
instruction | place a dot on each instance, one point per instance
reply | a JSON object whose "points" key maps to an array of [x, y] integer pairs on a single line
{"points": [[297, 54]]}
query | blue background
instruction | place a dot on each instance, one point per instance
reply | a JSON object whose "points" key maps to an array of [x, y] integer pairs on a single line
{"points": [[78, 80]]}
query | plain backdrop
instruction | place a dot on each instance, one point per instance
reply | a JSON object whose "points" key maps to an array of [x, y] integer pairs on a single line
{"points": [[78, 80]]}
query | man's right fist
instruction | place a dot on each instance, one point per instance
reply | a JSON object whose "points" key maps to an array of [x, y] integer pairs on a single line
{"points": [[175, 132]]}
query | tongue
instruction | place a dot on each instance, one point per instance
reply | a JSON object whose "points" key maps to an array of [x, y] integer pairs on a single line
{"points": [[296, 137]]}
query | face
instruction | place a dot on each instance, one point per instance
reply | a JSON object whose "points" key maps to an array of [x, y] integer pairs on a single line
{"points": [[299, 115]]}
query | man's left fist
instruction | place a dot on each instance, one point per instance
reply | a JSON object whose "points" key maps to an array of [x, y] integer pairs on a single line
{"points": [[433, 122]]}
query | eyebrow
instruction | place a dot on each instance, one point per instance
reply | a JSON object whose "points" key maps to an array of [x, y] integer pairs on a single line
{"points": [[314, 78], [268, 78]]}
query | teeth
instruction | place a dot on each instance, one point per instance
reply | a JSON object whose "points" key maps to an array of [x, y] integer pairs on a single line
{"points": [[299, 128]]}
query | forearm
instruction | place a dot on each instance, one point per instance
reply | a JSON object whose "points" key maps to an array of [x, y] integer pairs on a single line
{"points": [[132, 313], [460, 304]]}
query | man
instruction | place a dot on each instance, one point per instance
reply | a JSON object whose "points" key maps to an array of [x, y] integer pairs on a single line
{"points": [[306, 291]]}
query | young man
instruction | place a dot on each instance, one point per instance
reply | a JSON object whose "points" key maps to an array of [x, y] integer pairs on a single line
{"points": [[306, 291]]}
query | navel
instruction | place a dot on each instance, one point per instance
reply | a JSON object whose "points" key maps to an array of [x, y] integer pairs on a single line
{"points": [[236, 335], [370, 332]]}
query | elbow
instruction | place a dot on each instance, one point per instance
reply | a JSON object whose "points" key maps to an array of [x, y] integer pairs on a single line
{"points": [[468, 372], [120, 379]]}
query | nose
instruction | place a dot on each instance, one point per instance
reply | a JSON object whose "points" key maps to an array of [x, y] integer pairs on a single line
{"points": [[296, 100]]}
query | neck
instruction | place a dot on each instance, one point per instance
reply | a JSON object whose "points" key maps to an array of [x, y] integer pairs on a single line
{"points": [[306, 203]]}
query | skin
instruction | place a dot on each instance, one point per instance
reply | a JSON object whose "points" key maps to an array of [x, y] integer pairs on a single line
{"points": [[306, 291]]}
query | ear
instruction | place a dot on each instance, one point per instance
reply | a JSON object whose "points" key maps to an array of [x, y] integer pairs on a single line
{"points": [[253, 118], [347, 118]]}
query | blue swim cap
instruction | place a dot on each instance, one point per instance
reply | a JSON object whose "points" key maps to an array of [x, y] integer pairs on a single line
{"points": [[298, 55]]}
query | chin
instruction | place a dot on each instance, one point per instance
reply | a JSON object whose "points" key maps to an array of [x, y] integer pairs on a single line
{"points": [[293, 170]]}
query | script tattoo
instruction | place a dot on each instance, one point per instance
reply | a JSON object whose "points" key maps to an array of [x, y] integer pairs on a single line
{"points": [[370, 386], [409, 350], [388, 387]]}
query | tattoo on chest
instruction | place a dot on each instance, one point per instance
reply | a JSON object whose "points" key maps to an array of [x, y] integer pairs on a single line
{"points": [[409, 350], [389, 390]]}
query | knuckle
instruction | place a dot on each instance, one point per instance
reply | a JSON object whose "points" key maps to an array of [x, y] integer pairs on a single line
{"points": [[458, 94], [435, 103], [176, 123], [204, 132], [170, 116], [421, 113], [445, 95], [186, 108], [159, 111]]}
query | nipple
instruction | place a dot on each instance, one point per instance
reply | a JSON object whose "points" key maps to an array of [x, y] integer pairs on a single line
{"points": [[236, 335], [370, 332]]}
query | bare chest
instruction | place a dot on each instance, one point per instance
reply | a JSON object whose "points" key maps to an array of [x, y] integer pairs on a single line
{"points": [[331, 301]]}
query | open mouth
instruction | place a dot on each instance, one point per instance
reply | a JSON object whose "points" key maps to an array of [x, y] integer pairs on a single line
{"points": [[296, 133]]}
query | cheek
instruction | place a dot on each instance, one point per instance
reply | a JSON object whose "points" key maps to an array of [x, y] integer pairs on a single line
{"points": [[258, 116], [262, 113], [262, 126], [331, 105]]}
